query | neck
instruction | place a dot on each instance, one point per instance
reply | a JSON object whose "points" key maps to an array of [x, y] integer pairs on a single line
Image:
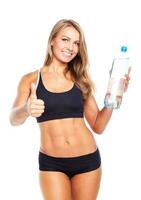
{"points": [[57, 67]]}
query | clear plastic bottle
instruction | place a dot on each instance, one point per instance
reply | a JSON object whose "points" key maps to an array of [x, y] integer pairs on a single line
{"points": [[115, 89]]}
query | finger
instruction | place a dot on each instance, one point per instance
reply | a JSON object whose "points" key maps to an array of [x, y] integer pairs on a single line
{"points": [[126, 83], [129, 70], [37, 107], [127, 77], [36, 115], [36, 112], [128, 73], [33, 91], [39, 102]]}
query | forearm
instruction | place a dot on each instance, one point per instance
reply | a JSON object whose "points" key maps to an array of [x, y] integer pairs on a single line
{"points": [[18, 115], [102, 119]]}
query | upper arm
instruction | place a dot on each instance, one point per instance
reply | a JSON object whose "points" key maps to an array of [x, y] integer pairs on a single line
{"points": [[23, 92], [91, 110], [23, 89]]}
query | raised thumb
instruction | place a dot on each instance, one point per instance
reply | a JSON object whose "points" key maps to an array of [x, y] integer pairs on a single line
{"points": [[33, 91]]}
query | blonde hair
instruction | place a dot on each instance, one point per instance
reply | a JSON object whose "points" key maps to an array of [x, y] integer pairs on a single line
{"points": [[78, 67]]}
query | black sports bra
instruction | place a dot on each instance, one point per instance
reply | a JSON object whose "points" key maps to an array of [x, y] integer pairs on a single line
{"points": [[68, 104]]}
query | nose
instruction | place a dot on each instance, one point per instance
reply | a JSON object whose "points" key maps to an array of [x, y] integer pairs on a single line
{"points": [[70, 46]]}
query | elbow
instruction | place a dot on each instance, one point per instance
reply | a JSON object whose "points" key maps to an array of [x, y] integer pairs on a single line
{"points": [[17, 116], [98, 130], [14, 122]]}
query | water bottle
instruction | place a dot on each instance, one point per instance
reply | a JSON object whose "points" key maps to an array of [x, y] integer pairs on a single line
{"points": [[115, 89]]}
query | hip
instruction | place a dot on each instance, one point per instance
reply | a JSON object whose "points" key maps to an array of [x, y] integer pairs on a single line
{"points": [[70, 165]]}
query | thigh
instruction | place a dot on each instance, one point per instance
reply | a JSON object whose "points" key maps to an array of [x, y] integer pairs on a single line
{"points": [[86, 185], [55, 185]]}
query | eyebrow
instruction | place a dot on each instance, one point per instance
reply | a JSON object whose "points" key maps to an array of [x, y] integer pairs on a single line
{"points": [[69, 38]]}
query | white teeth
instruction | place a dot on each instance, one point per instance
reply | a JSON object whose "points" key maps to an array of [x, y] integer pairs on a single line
{"points": [[66, 53]]}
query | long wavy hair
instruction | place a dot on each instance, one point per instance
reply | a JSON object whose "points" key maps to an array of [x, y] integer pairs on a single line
{"points": [[78, 67]]}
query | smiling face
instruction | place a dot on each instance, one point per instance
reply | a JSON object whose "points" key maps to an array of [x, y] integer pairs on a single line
{"points": [[65, 45]]}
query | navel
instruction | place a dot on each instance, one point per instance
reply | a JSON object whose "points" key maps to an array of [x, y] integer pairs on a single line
{"points": [[67, 142]]}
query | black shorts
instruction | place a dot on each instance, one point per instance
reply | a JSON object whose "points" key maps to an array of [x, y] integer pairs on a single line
{"points": [[70, 165]]}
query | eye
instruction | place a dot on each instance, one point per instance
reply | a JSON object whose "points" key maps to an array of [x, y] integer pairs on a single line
{"points": [[65, 39], [77, 43]]}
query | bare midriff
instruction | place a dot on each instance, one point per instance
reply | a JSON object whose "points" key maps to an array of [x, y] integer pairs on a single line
{"points": [[67, 137]]}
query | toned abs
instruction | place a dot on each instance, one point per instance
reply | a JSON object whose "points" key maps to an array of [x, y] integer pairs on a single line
{"points": [[66, 137]]}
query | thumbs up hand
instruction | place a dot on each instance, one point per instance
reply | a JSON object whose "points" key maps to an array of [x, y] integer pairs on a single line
{"points": [[35, 107], [33, 91]]}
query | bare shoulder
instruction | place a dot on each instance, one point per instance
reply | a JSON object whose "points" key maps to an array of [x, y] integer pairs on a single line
{"points": [[30, 77], [26, 80], [24, 87]]}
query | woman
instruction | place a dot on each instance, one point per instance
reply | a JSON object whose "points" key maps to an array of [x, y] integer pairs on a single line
{"points": [[60, 95]]}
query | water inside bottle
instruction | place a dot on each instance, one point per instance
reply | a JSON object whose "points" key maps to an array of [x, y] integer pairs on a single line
{"points": [[113, 97]]}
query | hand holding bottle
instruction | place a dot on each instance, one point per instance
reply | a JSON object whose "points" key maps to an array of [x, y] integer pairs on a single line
{"points": [[118, 81], [35, 107]]}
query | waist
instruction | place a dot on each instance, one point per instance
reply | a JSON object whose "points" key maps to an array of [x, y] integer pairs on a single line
{"points": [[67, 141]]}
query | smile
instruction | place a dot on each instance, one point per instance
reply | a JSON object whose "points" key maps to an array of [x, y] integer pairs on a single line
{"points": [[67, 53]]}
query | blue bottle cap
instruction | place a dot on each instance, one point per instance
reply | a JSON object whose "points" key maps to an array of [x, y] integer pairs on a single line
{"points": [[123, 49]]}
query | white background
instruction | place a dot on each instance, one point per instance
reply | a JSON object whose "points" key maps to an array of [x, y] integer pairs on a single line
{"points": [[24, 30]]}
